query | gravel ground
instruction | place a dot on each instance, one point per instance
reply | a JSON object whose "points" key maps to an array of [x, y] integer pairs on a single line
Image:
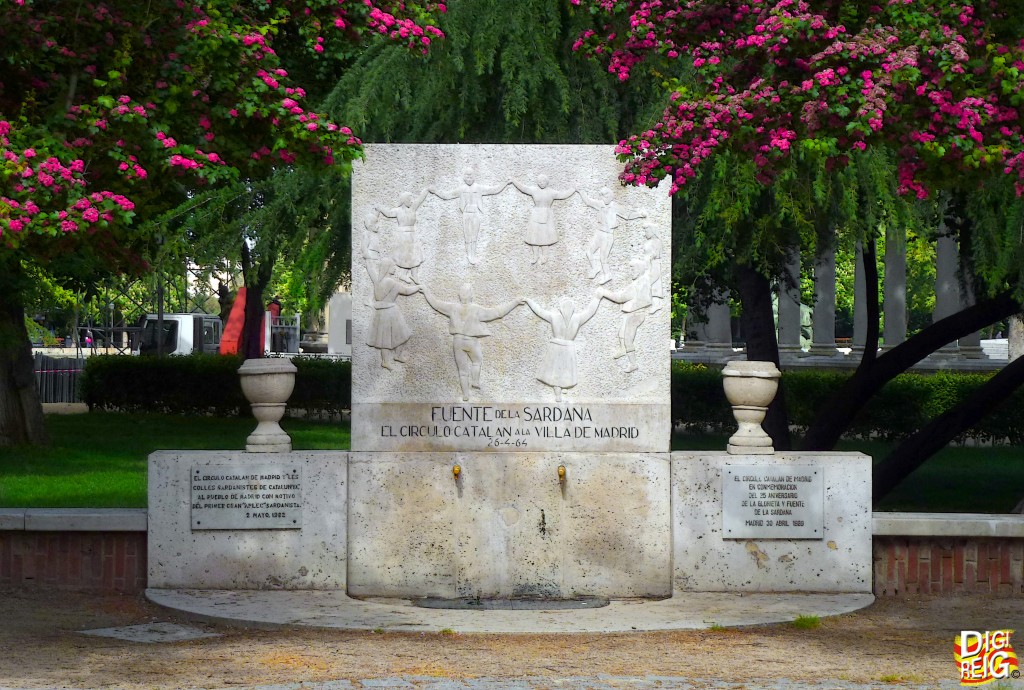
{"points": [[893, 643]]}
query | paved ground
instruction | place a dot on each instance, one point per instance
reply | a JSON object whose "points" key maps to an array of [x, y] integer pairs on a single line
{"points": [[326, 609], [580, 683], [892, 643]]}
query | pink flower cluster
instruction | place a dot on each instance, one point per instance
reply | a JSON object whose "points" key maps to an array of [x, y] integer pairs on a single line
{"points": [[174, 88], [766, 75]]}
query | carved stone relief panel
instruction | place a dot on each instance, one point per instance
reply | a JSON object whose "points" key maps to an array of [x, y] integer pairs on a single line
{"points": [[509, 276]]}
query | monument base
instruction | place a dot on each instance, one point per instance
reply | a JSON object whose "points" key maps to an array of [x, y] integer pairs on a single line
{"points": [[541, 525], [763, 556], [223, 520], [509, 525]]}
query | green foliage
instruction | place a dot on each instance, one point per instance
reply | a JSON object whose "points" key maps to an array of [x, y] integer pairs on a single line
{"points": [[505, 72], [727, 214], [204, 384], [38, 334], [998, 236], [905, 404], [322, 386], [292, 228]]}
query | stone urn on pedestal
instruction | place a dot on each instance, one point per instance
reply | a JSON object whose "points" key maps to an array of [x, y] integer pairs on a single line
{"points": [[267, 384], [750, 388]]}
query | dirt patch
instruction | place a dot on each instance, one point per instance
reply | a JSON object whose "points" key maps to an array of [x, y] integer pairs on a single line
{"points": [[891, 641]]}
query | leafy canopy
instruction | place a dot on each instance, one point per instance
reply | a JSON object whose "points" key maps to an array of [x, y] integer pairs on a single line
{"points": [[940, 83], [110, 110]]}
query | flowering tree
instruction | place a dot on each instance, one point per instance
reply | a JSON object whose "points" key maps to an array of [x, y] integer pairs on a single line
{"points": [[784, 84], [940, 82], [113, 112]]}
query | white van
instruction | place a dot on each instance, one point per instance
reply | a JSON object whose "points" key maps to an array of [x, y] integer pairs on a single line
{"points": [[183, 334]]}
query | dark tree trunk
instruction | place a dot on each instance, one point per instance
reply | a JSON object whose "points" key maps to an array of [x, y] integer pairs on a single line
{"points": [[836, 415], [21, 413], [914, 450], [252, 329], [869, 256], [257, 278], [758, 323]]}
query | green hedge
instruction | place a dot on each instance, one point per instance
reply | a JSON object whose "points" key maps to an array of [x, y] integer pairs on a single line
{"points": [[208, 384], [903, 405], [204, 384]]}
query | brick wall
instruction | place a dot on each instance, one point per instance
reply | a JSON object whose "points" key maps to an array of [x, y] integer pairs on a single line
{"points": [[97, 561], [116, 561], [948, 565]]}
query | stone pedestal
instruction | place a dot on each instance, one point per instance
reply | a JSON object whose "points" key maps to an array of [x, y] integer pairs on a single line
{"points": [[719, 328], [823, 326], [894, 300], [789, 307], [240, 545], [707, 559], [1015, 337], [507, 527], [512, 319], [947, 288]]}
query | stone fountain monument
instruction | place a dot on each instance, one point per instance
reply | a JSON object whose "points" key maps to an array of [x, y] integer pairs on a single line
{"points": [[511, 416], [512, 322]]}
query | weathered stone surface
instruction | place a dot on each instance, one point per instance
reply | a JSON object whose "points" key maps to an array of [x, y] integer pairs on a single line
{"points": [[705, 561], [507, 527], [312, 557], [481, 322]]}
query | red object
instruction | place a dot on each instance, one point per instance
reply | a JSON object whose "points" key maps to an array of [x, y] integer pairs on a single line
{"points": [[231, 340]]}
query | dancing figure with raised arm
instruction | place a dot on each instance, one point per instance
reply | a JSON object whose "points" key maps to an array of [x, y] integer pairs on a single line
{"points": [[558, 367], [600, 246], [542, 231], [408, 254], [635, 300], [388, 330], [470, 196], [653, 249], [467, 324]]}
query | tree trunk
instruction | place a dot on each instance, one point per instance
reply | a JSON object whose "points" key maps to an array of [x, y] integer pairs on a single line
{"points": [[252, 330], [837, 413], [758, 325], [257, 278], [869, 256], [914, 450], [21, 413]]}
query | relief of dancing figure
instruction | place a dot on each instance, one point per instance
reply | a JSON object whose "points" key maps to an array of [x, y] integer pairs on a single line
{"points": [[558, 367], [600, 246], [470, 196], [653, 249], [467, 326], [371, 237], [388, 330], [542, 231], [407, 254], [635, 300]]}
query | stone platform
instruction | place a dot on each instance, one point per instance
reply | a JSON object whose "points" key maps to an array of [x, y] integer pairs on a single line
{"points": [[336, 610]]}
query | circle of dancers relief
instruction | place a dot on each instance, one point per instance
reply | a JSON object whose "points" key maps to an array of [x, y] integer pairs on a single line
{"points": [[396, 274]]}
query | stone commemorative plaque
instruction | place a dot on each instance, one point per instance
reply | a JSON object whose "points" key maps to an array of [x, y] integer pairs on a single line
{"points": [[773, 502], [508, 298], [251, 497]]}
